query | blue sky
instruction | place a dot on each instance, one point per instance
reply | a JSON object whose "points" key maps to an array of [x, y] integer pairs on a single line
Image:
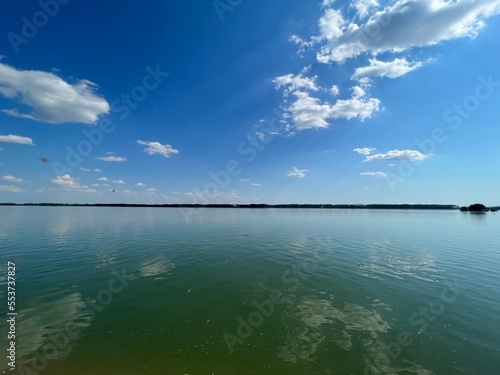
{"points": [[250, 101]]}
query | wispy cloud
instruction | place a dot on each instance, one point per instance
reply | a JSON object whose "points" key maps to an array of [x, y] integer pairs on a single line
{"points": [[12, 179], [297, 173], [157, 148], [391, 69], [104, 179], [51, 99], [69, 183], [116, 159], [412, 155], [10, 189], [90, 170], [341, 40], [373, 174], [16, 139], [119, 182], [365, 150], [365, 7]]}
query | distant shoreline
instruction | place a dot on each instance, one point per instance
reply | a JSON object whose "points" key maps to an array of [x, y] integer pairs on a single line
{"points": [[317, 206]]}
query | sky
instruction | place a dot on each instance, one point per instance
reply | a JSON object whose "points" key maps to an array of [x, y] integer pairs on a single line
{"points": [[238, 101]]}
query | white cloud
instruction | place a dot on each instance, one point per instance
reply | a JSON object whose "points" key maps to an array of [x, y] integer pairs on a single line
{"points": [[51, 99], [69, 183], [391, 69], [244, 180], [119, 182], [102, 179], [399, 155], [297, 173], [295, 82], [10, 189], [140, 184], [117, 159], [66, 181], [90, 170], [16, 139], [402, 25], [327, 3], [365, 150], [311, 113], [12, 179], [356, 107], [373, 174], [157, 148], [256, 184], [332, 24], [364, 7], [334, 90]]}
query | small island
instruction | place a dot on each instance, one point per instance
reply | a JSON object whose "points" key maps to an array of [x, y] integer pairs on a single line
{"points": [[478, 207]]}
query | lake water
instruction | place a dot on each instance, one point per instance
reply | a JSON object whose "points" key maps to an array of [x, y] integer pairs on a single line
{"points": [[130, 291]]}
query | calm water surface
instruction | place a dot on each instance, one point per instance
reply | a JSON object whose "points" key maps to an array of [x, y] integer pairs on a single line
{"points": [[131, 291]]}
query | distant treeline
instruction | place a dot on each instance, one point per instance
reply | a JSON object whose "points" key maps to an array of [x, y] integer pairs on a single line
{"points": [[327, 206]]}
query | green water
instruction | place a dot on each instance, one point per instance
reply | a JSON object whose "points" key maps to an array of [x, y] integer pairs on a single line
{"points": [[238, 291]]}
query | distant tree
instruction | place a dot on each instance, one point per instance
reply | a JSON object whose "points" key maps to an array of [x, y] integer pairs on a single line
{"points": [[478, 207]]}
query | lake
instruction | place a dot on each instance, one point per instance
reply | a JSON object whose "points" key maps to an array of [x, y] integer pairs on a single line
{"points": [[129, 291]]}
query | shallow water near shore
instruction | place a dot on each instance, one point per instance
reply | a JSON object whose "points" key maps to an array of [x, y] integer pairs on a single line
{"points": [[251, 291]]}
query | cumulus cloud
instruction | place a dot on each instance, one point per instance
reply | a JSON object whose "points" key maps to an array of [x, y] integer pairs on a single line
{"points": [[412, 155], [140, 184], [311, 113], [357, 107], [12, 179], [50, 98], [365, 150], [116, 159], [10, 189], [16, 139], [400, 26], [65, 181], [308, 112], [296, 82], [102, 179], [390, 69], [69, 183], [119, 182], [373, 174], [157, 148], [297, 173], [332, 24]]}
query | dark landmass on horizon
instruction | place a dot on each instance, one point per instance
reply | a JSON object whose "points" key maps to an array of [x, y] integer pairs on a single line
{"points": [[319, 206]]}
